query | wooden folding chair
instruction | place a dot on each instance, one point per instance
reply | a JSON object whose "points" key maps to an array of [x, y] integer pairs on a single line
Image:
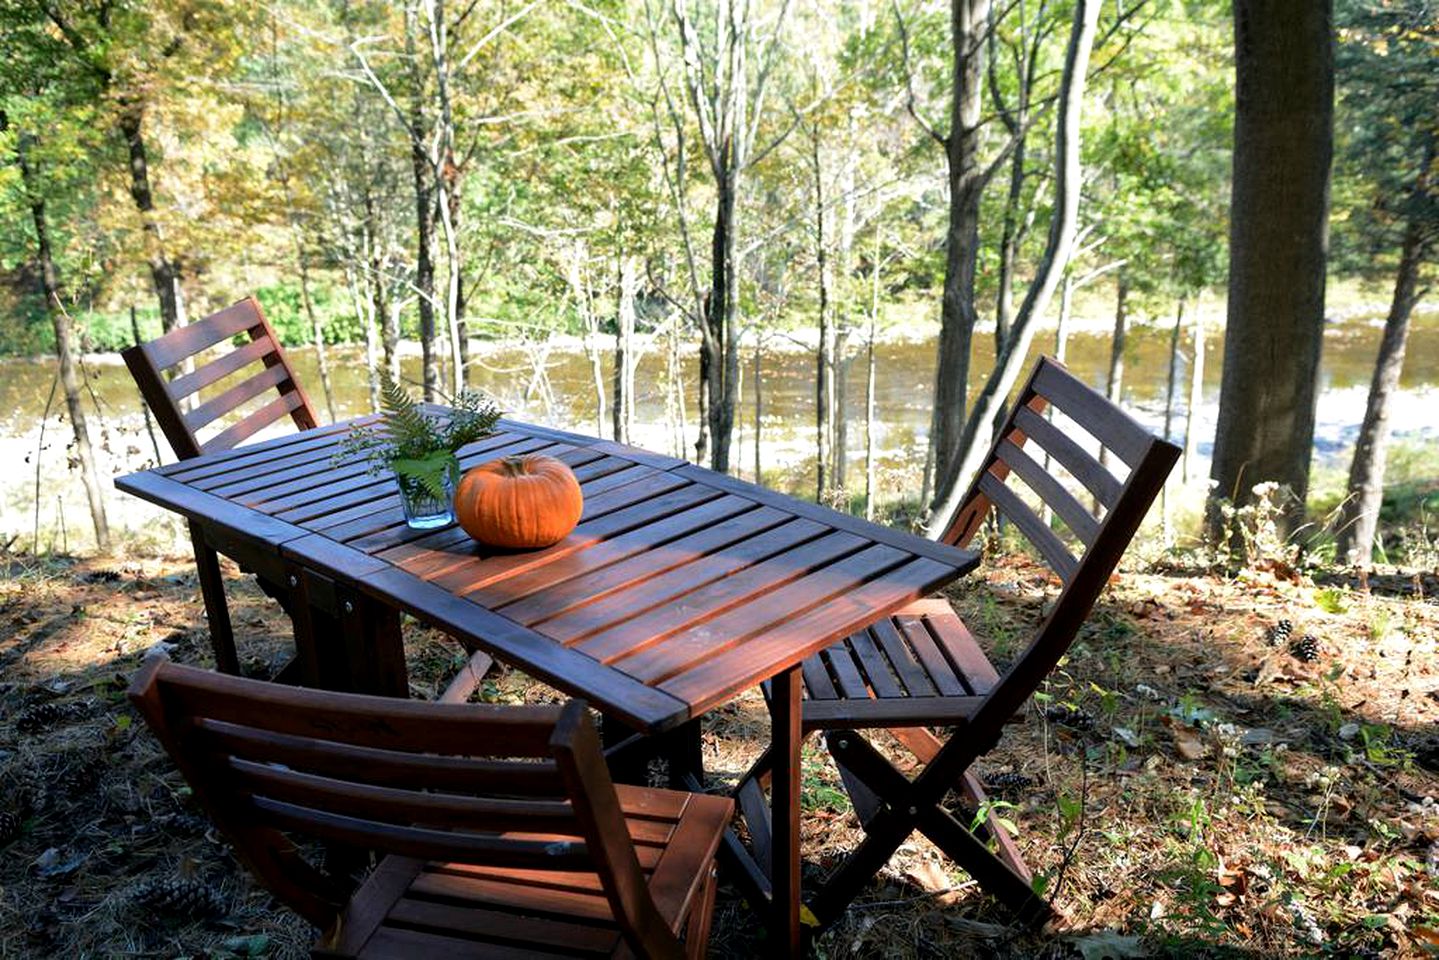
{"points": [[499, 829], [213, 416], [921, 668]]}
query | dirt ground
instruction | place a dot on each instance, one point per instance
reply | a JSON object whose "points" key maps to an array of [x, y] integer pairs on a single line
{"points": [[1186, 785]]}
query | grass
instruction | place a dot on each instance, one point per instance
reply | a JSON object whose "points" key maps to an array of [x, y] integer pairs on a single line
{"points": [[1223, 798]]}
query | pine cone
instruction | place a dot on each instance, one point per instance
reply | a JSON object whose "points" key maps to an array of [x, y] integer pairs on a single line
{"points": [[9, 827], [43, 716], [1306, 648], [177, 898], [1073, 717], [1007, 784], [1279, 633]]}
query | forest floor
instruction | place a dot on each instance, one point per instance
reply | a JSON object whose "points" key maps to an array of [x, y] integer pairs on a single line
{"points": [[1186, 787]]}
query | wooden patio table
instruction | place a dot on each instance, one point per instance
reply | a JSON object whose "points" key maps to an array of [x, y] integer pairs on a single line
{"points": [[679, 589]]}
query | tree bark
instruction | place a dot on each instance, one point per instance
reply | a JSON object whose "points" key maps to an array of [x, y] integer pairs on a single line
{"points": [[624, 373], [165, 271], [1283, 143], [722, 345], [824, 360], [1062, 230], [66, 347], [1114, 380], [1196, 394], [1359, 516], [425, 213], [966, 187]]}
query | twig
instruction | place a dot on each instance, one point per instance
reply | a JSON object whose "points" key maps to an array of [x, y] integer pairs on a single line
{"points": [[39, 449]]}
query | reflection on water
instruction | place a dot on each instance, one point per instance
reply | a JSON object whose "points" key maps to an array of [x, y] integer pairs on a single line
{"points": [[904, 385]]}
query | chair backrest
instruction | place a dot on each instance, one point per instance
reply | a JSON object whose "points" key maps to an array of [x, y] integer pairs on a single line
{"points": [[1083, 549], [523, 787], [149, 361]]}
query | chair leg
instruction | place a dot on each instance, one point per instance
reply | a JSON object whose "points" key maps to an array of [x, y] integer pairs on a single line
{"points": [[684, 754], [217, 612], [702, 911], [905, 812]]}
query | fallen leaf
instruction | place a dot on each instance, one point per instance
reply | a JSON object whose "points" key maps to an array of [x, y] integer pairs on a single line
{"points": [[928, 875]]}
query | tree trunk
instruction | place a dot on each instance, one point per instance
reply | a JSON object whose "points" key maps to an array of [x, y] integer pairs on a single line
{"points": [[624, 375], [425, 214], [869, 485], [317, 331], [1359, 517], [758, 409], [1061, 327], [1062, 230], [164, 271], [1171, 384], [957, 307], [722, 344], [66, 348], [145, 407], [1196, 394], [1114, 380], [824, 372], [1283, 142]]}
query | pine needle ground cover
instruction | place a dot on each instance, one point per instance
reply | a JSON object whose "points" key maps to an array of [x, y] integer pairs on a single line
{"points": [[1191, 783]]}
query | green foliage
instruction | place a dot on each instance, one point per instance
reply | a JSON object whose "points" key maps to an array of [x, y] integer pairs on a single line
{"points": [[284, 307], [419, 447]]}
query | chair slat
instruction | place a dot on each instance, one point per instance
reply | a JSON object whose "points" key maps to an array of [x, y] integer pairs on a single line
{"points": [[850, 681], [499, 930], [397, 805], [1110, 425], [816, 679], [935, 664], [365, 721], [1060, 500], [559, 854], [220, 368], [1049, 546], [248, 389], [959, 645], [382, 767], [189, 340], [1085, 468], [881, 680], [916, 682], [286, 403]]}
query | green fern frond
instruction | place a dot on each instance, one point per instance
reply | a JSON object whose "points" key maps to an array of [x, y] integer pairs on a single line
{"points": [[419, 447]]}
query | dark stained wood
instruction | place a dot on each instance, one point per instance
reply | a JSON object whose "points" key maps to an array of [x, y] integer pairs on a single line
{"points": [[654, 584], [499, 830], [947, 679], [678, 589], [785, 787], [149, 361], [630, 637]]}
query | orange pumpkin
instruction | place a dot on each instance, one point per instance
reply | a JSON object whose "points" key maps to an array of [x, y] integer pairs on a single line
{"points": [[519, 502]]}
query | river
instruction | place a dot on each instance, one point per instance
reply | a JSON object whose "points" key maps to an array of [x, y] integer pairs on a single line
{"points": [[904, 386]]}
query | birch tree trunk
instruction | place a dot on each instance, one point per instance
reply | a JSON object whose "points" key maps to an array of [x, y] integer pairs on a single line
{"points": [[1062, 230]]}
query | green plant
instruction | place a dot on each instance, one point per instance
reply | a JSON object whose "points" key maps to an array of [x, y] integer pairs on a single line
{"points": [[419, 447]]}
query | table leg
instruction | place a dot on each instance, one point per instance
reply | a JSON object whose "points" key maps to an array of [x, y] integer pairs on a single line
{"points": [[374, 645], [217, 611], [784, 807]]}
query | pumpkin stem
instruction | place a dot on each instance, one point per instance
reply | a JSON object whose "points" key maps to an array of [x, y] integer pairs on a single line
{"points": [[515, 466]]}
